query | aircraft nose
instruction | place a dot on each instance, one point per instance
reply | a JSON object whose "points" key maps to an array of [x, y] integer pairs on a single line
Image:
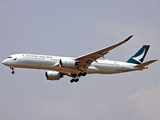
{"points": [[5, 62]]}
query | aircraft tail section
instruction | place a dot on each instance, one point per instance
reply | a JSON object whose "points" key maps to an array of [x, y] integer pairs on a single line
{"points": [[139, 56], [145, 63]]}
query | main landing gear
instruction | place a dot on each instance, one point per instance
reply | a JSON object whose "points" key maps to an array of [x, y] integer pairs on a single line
{"points": [[74, 80], [12, 67], [77, 76]]}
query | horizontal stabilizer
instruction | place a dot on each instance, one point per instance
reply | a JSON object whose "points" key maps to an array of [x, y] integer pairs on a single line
{"points": [[146, 63]]}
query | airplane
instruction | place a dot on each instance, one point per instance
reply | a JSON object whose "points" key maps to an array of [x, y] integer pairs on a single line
{"points": [[81, 66]]}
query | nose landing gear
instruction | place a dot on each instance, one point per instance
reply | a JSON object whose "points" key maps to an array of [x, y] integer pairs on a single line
{"points": [[12, 67]]}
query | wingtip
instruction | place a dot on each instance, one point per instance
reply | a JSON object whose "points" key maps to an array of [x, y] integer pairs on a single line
{"points": [[156, 60], [128, 38]]}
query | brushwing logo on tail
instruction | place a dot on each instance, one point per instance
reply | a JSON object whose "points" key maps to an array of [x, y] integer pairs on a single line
{"points": [[138, 58]]}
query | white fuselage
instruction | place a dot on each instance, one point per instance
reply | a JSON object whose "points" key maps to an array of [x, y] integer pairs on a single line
{"points": [[47, 62]]}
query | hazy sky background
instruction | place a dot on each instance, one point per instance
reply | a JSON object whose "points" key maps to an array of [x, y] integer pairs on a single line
{"points": [[74, 28]]}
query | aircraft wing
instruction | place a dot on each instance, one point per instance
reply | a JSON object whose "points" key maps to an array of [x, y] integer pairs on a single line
{"points": [[83, 62]]}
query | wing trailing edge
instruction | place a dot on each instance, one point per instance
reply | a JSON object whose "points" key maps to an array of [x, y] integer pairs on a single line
{"points": [[86, 60]]}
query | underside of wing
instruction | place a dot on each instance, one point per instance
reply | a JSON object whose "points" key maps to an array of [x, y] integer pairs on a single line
{"points": [[83, 62]]}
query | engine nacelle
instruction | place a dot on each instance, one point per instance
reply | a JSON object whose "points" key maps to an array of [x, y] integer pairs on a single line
{"points": [[67, 63], [52, 75]]}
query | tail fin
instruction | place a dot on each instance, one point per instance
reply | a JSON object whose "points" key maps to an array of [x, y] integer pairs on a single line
{"points": [[139, 56]]}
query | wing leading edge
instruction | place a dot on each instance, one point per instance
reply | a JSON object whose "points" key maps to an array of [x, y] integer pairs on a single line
{"points": [[86, 60]]}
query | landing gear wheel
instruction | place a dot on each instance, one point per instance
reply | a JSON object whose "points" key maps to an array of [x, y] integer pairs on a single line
{"points": [[12, 67], [82, 74], [76, 80], [72, 80], [13, 72]]}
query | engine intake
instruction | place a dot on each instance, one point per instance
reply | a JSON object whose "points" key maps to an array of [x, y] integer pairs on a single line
{"points": [[67, 63], [52, 75]]}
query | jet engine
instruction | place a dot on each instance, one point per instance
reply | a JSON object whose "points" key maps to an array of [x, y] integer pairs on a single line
{"points": [[67, 63], [52, 75]]}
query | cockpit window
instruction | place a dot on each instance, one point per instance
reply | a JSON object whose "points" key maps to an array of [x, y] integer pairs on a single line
{"points": [[9, 57]]}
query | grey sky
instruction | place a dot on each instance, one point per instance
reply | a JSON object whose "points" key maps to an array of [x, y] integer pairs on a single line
{"points": [[74, 28]]}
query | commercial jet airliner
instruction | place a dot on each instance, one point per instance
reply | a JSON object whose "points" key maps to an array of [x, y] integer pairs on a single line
{"points": [[80, 66]]}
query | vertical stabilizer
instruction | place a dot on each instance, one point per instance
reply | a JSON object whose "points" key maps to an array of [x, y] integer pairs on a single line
{"points": [[139, 56]]}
